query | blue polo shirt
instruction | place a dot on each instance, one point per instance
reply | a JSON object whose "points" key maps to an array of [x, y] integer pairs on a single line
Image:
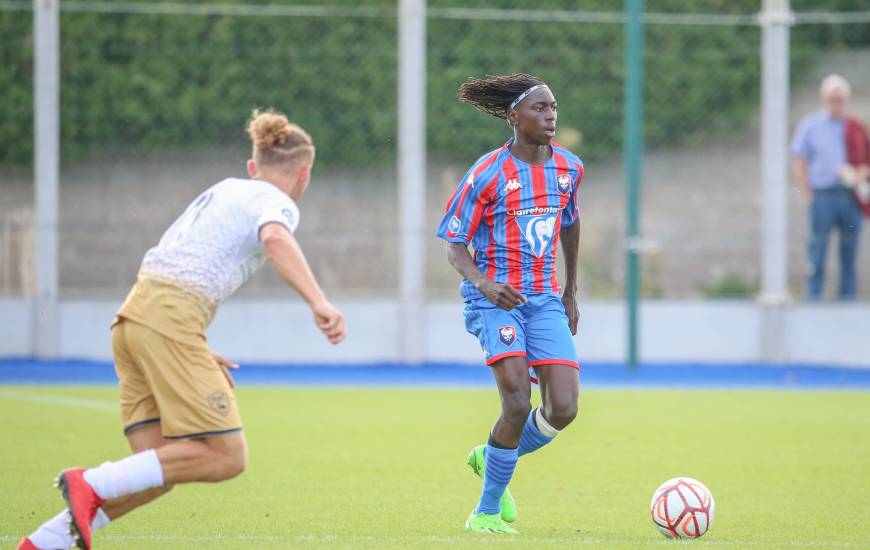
{"points": [[821, 141]]}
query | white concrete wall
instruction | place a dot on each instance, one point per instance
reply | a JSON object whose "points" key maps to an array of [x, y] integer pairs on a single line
{"points": [[281, 331]]}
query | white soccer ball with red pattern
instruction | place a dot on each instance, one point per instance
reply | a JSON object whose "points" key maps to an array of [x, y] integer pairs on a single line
{"points": [[683, 508]]}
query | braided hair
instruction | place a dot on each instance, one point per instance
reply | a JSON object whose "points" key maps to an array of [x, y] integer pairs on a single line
{"points": [[494, 94]]}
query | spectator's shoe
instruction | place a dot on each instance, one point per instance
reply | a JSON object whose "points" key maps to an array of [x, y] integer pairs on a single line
{"points": [[82, 502], [478, 465]]}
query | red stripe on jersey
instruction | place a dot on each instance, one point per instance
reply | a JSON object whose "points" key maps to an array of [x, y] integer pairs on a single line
{"points": [[483, 166], [458, 211], [513, 243], [562, 167], [484, 210], [539, 192], [554, 281], [483, 200], [580, 173]]}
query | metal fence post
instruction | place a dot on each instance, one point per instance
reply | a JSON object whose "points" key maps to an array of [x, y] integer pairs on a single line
{"points": [[412, 177], [775, 19], [46, 159], [633, 156]]}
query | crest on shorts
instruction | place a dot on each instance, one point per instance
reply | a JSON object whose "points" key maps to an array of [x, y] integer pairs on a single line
{"points": [[507, 335], [564, 183], [219, 402]]}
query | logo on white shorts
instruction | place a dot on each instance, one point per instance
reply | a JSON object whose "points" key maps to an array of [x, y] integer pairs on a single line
{"points": [[507, 335]]}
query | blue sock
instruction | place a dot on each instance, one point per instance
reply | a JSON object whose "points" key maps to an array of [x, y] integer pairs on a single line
{"points": [[532, 438], [500, 465]]}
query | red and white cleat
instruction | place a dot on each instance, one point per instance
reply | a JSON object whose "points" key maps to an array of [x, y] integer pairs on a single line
{"points": [[82, 502], [25, 544]]}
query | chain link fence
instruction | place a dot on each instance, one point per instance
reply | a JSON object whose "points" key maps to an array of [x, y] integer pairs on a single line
{"points": [[154, 97]]}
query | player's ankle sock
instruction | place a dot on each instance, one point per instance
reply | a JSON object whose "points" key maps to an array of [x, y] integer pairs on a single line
{"points": [[126, 476], [500, 465], [536, 433], [54, 533]]}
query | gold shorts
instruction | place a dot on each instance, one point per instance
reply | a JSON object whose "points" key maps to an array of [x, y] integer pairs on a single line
{"points": [[176, 383]]}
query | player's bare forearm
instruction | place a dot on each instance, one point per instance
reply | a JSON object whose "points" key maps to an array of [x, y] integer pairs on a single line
{"points": [[503, 295], [461, 260], [570, 237], [289, 262]]}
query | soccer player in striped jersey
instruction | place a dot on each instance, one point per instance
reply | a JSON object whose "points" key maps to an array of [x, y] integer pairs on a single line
{"points": [[513, 207], [177, 406]]}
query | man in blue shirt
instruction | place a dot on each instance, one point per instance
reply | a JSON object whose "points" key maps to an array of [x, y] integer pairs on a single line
{"points": [[821, 168]]}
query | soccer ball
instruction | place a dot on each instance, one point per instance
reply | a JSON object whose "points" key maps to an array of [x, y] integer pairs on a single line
{"points": [[682, 508]]}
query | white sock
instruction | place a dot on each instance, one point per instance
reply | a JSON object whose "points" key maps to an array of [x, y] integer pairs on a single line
{"points": [[54, 533], [100, 520], [126, 476], [544, 426]]}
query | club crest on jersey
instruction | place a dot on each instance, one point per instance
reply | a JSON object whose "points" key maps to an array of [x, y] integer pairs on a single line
{"points": [[507, 335], [538, 231], [454, 225], [513, 185], [564, 181]]}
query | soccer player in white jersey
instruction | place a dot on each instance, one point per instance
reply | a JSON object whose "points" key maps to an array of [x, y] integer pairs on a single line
{"points": [[179, 413]]}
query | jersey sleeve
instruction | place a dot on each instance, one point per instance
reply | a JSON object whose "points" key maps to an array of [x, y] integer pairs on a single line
{"points": [[572, 210], [465, 208], [271, 208]]}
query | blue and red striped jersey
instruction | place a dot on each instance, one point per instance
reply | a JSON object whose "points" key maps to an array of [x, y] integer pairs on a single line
{"points": [[511, 213]]}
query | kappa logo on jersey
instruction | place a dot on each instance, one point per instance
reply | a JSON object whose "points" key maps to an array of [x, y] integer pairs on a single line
{"points": [[471, 180], [564, 183], [507, 335], [454, 225], [513, 185], [538, 231]]}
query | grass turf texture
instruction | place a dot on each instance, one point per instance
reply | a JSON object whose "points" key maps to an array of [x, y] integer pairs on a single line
{"points": [[385, 468]]}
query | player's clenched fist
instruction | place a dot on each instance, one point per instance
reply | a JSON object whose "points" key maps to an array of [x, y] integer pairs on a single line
{"points": [[330, 321], [503, 295]]}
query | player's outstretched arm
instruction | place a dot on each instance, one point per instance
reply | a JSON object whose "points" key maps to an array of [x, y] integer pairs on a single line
{"points": [[503, 295], [571, 250], [288, 260]]}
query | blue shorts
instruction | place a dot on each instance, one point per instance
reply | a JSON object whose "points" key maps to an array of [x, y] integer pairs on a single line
{"points": [[537, 331]]}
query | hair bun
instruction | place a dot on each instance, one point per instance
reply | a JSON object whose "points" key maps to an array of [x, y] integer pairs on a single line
{"points": [[268, 129]]}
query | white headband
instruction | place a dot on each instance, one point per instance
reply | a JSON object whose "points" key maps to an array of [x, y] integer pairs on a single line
{"points": [[525, 94]]}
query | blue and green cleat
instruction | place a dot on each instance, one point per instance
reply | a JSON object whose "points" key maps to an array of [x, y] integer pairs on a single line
{"points": [[488, 523], [478, 465]]}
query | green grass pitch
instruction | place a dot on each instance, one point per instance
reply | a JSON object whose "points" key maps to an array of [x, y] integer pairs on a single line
{"points": [[385, 468]]}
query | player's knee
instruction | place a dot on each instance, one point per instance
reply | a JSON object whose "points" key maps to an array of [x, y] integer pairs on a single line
{"points": [[560, 413], [516, 407], [236, 464], [230, 463]]}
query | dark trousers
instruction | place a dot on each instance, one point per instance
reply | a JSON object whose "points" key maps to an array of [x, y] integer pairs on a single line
{"points": [[832, 208]]}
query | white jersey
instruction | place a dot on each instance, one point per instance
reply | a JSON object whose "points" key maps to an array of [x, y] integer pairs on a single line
{"points": [[214, 246]]}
